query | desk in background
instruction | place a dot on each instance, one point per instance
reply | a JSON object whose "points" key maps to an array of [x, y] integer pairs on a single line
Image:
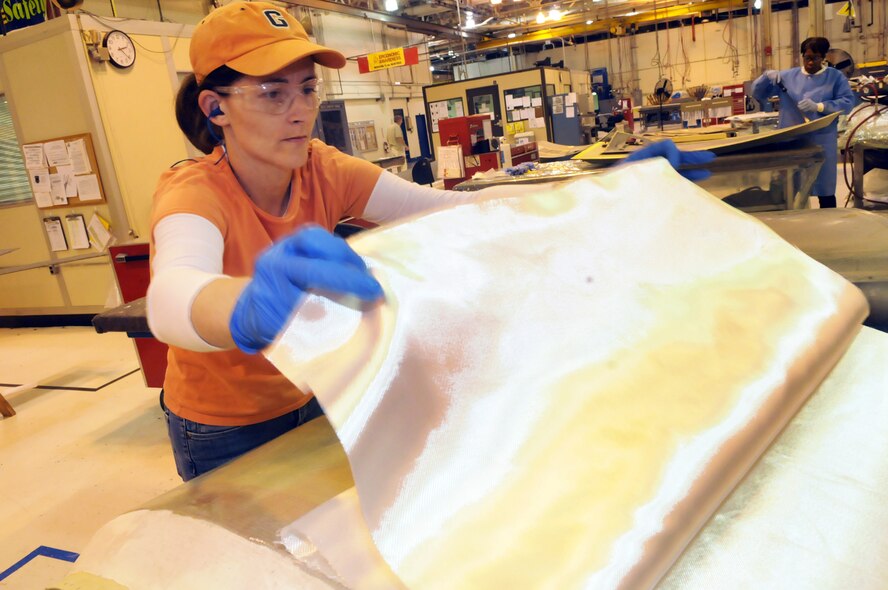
{"points": [[131, 269], [393, 164]]}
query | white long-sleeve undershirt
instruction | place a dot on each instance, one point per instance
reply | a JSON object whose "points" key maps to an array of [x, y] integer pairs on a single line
{"points": [[189, 249]]}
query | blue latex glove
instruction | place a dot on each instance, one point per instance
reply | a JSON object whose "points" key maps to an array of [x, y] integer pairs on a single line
{"points": [[773, 76], [667, 149], [806, 105], [309, 258], [520, 168]]}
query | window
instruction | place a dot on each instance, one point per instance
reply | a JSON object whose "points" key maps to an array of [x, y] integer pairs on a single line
{"points": [[14, 184]]}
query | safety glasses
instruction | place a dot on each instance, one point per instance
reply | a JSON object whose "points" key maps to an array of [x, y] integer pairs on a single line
{"points": [[276, 98]]}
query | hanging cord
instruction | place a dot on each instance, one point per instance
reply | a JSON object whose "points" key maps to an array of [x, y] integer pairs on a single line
{"points": [[657, 60], [620, 63], [849, 155], [111, 24], [667, 64], [732, 54], [687, 62]]}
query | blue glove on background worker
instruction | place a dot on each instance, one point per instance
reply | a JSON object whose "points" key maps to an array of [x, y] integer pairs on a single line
{"points": [[309, 259], [667, 149], [772, 75], [806, 105]]}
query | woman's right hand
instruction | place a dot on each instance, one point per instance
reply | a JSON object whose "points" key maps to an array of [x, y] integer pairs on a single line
{"points": [[310, 258]]}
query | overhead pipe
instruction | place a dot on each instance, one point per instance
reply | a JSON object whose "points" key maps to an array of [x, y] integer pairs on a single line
{"points": [[605, 25], [411, 24]]}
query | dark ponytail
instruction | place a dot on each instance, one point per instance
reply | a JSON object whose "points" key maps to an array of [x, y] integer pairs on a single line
{"points": [[192, 121]]}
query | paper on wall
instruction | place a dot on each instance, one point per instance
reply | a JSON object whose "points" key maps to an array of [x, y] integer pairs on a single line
{"points": [[68, 179], [34, 157], [79, 158], [39, 180], [536, 102], [451, 164], [55, 233], [98, 232], [88, 187], [571, 98], [57, 189], [56, 153], [569, 112], [77, 231], [43, 199]]}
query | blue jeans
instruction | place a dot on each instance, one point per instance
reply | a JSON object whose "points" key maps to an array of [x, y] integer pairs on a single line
{"points": [[199, 448]]}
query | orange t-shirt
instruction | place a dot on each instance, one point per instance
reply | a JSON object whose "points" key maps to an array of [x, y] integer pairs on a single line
{"points": [[231, 388]]}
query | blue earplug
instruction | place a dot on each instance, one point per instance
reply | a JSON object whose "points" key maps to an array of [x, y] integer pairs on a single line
{"points": [[215, 112]]}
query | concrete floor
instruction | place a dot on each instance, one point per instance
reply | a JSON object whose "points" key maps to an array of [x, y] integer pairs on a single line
{"points": [[86, 446]]}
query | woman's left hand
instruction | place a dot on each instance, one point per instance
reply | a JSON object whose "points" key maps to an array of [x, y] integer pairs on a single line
{"points": [[667, 149], [806, 105]]}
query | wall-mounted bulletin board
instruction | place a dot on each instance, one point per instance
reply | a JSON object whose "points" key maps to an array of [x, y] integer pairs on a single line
{"points": [[363, 136], [524, 104], [445, 109], [64, 171]]}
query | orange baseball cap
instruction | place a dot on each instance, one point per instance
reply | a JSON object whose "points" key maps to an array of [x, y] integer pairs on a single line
{"points": [[253, 38]]}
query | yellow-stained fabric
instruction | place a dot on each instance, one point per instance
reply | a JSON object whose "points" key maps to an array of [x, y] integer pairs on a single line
{"points": [[560, 388], [810, 514], [813, 511]]}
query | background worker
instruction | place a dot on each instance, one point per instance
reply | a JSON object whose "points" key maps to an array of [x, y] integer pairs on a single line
{"points": [[806, 93], [394, 137]]}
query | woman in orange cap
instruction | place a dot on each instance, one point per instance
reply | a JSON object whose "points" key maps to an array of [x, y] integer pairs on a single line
{"points": [[240, 235]]}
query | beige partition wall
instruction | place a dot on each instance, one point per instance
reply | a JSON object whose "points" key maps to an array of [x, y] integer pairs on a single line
{"points": [[55, 89], [552, 81]]}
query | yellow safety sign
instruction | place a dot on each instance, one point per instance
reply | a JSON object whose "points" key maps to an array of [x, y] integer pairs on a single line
{"points": [[847, 10]]}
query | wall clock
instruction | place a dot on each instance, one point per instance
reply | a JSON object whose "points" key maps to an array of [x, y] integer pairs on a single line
{"points": [[121, 49]]}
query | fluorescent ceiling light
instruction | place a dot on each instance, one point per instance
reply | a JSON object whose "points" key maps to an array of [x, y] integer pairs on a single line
{"points": [[554, 14], [511, 35], [757, 4], [540, 17], [431, 68], [496, 1], [391, 5], [589, 22]]}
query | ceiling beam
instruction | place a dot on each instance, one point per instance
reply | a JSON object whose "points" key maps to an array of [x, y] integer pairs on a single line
{"points": [[411, 24], [604, 25]]}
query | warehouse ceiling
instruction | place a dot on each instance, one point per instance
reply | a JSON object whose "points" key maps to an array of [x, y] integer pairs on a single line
{"points": [[496, 25]]}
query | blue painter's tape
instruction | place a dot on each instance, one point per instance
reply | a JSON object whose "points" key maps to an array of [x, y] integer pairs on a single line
{"points": [[43, 550]]}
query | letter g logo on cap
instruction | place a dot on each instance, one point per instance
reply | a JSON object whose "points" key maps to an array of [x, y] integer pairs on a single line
{"points": [[276, 19]]}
